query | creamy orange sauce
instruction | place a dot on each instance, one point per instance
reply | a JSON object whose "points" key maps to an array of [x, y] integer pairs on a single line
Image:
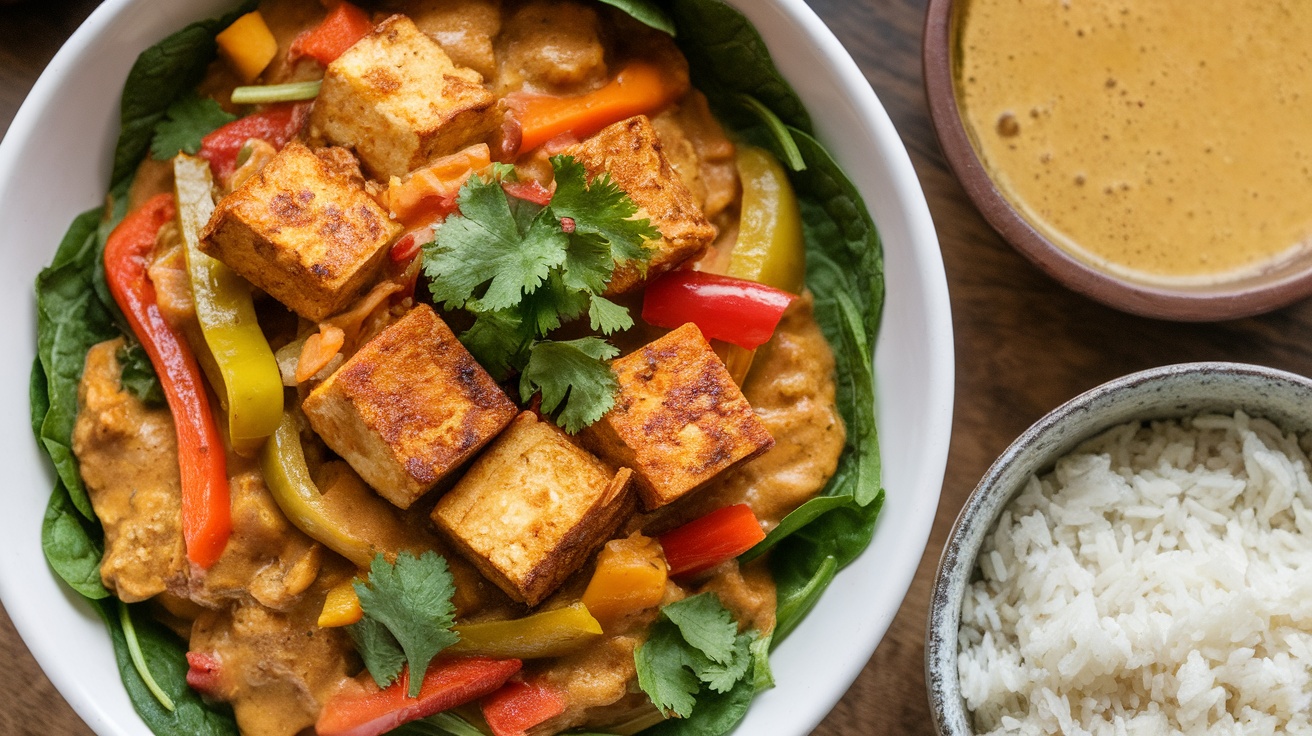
{"points": [[1170, 141]]}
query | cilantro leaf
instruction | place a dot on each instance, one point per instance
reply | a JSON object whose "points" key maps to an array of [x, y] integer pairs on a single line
{"points": [[412, 600], [573, 369], [720, 676], [705, 624], [601, 208], [696, 643], [490, 244], [185, 123], [552, 305], [588, 263], [607, 316], [380, 651], [662, 671], [497, 340], [137, 375]]}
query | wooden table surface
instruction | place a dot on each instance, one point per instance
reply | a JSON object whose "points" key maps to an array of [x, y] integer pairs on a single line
{"points": [[1024, 345]]}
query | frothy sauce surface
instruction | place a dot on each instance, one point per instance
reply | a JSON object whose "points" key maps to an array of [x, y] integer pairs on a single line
{"points": [[1168, 140]]}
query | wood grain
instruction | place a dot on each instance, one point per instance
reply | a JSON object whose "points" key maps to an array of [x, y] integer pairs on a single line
{"points": [[1024, 345]]}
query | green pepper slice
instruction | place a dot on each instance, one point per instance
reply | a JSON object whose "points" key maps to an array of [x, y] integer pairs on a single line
{"points": [[252, 389]]}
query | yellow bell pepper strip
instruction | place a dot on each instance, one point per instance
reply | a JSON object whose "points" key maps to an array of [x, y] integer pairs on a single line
{"points": [[630, 577], [704, 543], [519, 706], [252, 386], [770, 248], [447, 683], [341, 607], [641, 88], [547, 634], [202, 464], [292, 488], [248, 45]]}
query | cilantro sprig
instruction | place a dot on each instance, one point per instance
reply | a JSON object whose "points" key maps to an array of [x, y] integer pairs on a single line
{"points": [[695, 643], [524, 270], [408, 616], [185, 123]]}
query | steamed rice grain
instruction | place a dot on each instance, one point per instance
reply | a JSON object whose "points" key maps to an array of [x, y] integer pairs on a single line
{"points": [[1157, 581]]}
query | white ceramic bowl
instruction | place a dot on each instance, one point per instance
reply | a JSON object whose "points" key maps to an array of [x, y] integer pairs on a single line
{"points": [[1169, 392], [55, 161]]}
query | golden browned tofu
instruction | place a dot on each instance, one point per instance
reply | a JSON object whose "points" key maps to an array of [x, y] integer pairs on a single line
{"points": [[409, 407], [397, 98], [679, 418], [533, 508], [304, 230], [632, 153]]}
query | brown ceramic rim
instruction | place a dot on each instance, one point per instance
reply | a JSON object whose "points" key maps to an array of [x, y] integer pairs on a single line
{"points": [[1227, 300]]}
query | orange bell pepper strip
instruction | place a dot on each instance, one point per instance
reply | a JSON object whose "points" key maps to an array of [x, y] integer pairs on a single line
{"points": [[344, 25], [341, 607], [704, 543], [206, 515], [447, 684], [519, 706], [630, 577], [641, 88], [430, 192]]}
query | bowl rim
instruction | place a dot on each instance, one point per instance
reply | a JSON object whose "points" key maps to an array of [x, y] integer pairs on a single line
{"points": [[919, 257], [1221, 301], [975, 520]]}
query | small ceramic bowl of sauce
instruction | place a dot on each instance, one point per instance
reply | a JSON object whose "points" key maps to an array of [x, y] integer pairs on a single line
{"points": [[1156, 157]]}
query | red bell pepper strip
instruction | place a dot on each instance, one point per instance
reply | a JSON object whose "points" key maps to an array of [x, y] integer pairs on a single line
{"points": [[529, 190], [447, 684], [738, 311], [519, 706], [704, 543], [203, 673], [206, 515], [344, 25], [275, 125]]}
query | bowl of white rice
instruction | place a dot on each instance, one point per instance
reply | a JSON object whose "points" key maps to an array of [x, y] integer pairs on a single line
{"points": [[1137, 562]]}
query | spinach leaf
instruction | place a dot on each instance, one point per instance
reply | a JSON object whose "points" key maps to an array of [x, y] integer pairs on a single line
{"points": [[727, 58], [800, 517], [161, 74], [441, 724], [72, 545], [166, 656], [646, 12], [138, 375], [70, 319]]}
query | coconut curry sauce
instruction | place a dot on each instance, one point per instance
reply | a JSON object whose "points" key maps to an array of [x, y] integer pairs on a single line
{"points": [[1170, 141], [252, 617]]}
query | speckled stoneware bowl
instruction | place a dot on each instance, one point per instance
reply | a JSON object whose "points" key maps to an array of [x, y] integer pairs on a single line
{"points": [[1161, 393]]}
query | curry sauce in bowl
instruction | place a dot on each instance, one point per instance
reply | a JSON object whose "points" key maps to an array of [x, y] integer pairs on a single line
{"points": [[1152, 157]]}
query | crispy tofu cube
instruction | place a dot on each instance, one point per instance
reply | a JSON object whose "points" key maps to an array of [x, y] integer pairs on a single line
{"points": [[397, 98], [409, 407], [533, 508], [304, 230], [631, 151], [679, 419]]}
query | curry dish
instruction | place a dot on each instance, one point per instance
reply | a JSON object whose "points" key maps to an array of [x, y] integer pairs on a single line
{"points": [[410, 438]]}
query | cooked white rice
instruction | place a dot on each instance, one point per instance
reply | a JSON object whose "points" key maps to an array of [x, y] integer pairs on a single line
{"points": [[1158, 581]]}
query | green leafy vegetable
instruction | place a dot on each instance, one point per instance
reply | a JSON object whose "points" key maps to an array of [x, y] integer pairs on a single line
{"points": [[70, 319], [575, 370], [72, 545], [800, 517], [164, 656], [185, 123], [523, 274], [160, 76], [646, 12], [407, 608], [440, 724], [694, 643], [726, 58], [138, 376]]}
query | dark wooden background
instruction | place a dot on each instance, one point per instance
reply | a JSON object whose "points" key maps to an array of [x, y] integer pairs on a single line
{"points": [[1024, 345]]}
